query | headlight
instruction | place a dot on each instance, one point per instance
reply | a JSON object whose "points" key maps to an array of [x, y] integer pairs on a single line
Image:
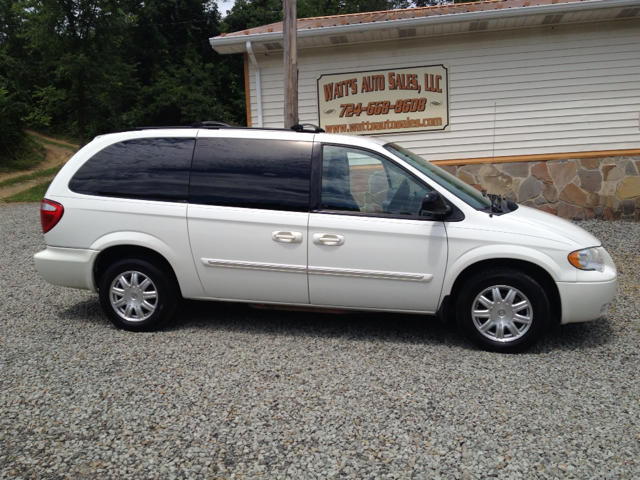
{"points": [[587, 259]]}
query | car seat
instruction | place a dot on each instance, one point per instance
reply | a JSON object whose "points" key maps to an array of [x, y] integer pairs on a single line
{"points": [[336, 191]]}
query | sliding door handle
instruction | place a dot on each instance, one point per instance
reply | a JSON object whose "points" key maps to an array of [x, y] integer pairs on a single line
{"points": [[329, 239], [286, 236]]}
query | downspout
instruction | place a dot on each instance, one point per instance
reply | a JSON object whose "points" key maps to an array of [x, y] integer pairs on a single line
{"points": [[258, 89]]}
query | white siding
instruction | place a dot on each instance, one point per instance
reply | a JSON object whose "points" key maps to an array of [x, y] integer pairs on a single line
{"points": [[554, 89]]}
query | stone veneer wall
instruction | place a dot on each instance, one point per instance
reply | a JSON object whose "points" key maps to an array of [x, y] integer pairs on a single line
{"points": [[576, 189]]}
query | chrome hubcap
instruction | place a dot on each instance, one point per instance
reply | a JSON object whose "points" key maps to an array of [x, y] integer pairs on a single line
{"points": [[133, 296], [502, 313]]}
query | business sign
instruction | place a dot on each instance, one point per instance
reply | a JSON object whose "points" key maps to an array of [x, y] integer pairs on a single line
{"points": [[400, 100]]}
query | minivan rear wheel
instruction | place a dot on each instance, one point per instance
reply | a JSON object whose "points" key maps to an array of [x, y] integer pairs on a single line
{"points": [[138, 296], [503, 310]]}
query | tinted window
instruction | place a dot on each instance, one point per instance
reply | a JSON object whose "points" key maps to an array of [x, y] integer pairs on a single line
{"points": [[359, 181], [148, 168], [251, 173]]}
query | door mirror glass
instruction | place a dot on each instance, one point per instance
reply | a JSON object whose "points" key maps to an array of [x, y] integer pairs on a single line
{"points": [[433, 205]]}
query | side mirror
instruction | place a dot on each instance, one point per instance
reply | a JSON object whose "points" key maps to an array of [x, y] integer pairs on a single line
{"points": [[433, 205]]}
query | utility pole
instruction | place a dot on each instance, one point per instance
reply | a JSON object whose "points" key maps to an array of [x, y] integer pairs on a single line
{"points": [[290, 30]]}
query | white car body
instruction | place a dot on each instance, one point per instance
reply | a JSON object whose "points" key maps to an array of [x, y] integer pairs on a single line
{"points": [[383, 264]]}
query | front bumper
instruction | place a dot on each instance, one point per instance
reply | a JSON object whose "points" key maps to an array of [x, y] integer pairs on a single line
{"points": [[585, 301], [67, 267]]}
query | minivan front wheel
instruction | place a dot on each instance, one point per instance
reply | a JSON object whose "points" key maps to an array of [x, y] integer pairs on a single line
{"points": [[136, 295], [503, 310]]}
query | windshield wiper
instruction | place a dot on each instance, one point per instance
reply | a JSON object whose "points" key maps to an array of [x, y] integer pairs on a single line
{"points": [[497, 202]]}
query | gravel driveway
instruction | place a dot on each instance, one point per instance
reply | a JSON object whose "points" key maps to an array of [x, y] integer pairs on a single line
{"points": [[231, 392]]}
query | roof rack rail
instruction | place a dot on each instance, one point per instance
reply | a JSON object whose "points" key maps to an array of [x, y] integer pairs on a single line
{"points": [[303, 127], [209, 123], [134, 129]]}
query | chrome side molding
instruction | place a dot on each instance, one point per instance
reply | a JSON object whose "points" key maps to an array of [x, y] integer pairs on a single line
{"points": [[380, 275], [270, 267], [336, 272]]}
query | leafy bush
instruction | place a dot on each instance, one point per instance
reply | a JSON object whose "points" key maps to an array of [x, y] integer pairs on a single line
{"points": [[12, 138], [17, 151]]}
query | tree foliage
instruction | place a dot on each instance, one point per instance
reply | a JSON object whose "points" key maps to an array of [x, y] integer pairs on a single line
{"points": [[84, 67], [76, 43], [11, 136]]}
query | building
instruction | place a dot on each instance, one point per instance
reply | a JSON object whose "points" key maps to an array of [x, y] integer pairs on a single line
{"points": [[537, 100]]}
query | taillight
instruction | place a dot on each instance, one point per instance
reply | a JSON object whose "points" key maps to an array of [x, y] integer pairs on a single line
{"points": [[50, 214]]}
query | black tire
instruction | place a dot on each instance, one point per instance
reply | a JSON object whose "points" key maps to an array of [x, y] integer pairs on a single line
{"points": [[137, 313], [519, 318]]}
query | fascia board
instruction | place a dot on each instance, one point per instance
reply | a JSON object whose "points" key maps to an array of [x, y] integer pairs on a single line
{"points": [[240, 40]]}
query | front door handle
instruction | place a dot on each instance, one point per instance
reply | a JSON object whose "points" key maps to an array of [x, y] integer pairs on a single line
{"points": [[285, 236], [329, 239]]}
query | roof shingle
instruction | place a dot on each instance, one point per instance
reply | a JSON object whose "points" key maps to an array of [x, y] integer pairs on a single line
{"points": [[391, 15]]}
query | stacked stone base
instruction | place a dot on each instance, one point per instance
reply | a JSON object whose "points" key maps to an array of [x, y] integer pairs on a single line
{"points": [[575, 189]]}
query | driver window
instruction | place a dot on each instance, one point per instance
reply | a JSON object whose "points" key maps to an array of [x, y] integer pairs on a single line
{"points": [[359, 181]]}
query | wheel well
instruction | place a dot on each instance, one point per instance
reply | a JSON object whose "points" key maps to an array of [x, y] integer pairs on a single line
{"points": [[539, 274], [119, 252]]}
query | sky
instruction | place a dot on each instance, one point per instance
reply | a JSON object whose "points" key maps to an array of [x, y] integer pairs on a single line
{"points": [[224, 5]]}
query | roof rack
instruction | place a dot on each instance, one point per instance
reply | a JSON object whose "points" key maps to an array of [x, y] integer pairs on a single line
{"points": [[302, 128], [210, 123], [307, 127]]}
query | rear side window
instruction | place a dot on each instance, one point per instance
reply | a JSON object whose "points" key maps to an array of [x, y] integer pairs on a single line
{"points": [[251, 173], [146, 168]]}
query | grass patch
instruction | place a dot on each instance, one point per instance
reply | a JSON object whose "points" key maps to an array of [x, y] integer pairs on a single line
{"points": [[30, 155], [51, 142], [30, 176], [34, 194]]}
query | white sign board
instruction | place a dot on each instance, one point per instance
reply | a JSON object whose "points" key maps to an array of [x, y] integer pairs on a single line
{"points": [[400, 100]]}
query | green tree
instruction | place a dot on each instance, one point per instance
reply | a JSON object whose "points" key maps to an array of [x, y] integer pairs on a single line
{"points": [[96, 66], [182, 79], [75, 45], [11, 135], [12, 108], [252, 13]]}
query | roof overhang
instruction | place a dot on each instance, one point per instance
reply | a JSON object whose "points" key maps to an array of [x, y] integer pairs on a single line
{"points": [[499, 19]]}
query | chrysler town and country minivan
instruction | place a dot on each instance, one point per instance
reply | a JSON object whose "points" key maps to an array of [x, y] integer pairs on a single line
{"points": [[307, 219]]}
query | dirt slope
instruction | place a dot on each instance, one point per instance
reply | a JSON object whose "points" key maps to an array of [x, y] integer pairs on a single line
{"points": [[55, 155]]}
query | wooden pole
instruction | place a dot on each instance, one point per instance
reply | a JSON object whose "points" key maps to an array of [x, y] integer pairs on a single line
{"points": [[290, 29]]}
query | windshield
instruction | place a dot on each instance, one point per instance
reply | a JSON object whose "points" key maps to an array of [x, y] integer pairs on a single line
{"points": [[464, 192]]}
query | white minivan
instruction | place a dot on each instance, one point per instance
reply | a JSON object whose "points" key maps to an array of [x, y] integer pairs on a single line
{"points": [[307, 219]]}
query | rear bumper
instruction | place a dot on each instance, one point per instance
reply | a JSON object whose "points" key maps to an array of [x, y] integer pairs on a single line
{"points": [[585, 301], [67, 267]]}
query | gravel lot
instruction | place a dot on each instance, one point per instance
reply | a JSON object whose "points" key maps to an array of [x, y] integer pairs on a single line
{"points": [[231, 392]]}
